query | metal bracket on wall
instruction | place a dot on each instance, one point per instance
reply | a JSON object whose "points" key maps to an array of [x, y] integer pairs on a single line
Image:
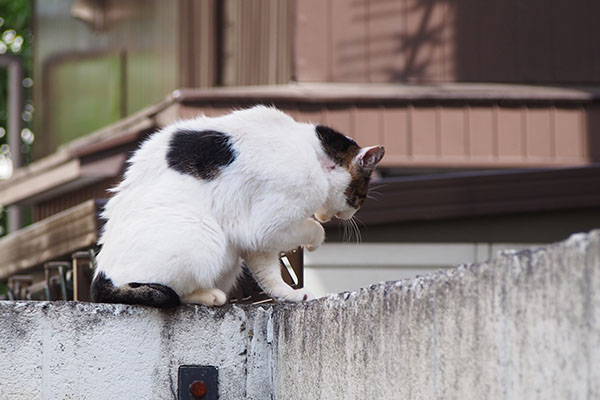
{"points": [[197, 382]]}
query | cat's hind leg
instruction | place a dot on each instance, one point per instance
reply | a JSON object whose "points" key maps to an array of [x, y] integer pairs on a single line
{"points": [[230, 278], [208, 297], [267, 272]]}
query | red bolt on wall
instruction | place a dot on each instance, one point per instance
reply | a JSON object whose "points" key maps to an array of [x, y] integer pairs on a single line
{"points": [[198, 389]]}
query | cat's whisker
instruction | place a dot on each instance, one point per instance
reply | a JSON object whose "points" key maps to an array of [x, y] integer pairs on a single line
{"points": [[353, 230], [360, 221], [345, 237], [358, 233], [349, 230], [377, 187], [340, 229]]}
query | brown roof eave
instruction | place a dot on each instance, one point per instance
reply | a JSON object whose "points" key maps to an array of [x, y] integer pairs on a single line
{"points": [[482, 193], [373, 93]]}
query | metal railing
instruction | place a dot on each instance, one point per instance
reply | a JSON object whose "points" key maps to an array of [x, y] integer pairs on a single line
{"points": [[71, 280]]}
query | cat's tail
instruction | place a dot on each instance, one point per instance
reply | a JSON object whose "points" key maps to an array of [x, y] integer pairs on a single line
{"points": [[148, 294]]}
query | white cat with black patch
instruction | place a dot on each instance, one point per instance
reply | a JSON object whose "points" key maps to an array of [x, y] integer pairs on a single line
{"points": [[202, 195]]}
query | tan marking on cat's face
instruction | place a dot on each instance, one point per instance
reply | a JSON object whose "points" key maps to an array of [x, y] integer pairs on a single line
{"points": [[356, 192]]}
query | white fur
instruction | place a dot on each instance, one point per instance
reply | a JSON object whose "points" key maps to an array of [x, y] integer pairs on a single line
{"points": [[190, 234]]}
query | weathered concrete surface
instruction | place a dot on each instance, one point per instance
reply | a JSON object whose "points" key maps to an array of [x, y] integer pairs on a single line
{"points": [[98, 351], [523, 326]]}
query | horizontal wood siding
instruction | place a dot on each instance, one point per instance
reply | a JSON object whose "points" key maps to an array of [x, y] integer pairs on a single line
{"points": [[537, 41], [437, 136], [481, 132], [52, 238]]}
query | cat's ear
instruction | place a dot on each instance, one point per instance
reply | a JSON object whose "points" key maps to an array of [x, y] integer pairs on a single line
{"points": [[369, 157]]}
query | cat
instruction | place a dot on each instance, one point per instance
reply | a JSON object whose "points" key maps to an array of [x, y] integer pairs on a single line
{"points": [[201, 196]]}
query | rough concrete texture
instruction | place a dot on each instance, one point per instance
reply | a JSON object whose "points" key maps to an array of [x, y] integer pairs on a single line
{"points": [[523, 326], [98, 351]]}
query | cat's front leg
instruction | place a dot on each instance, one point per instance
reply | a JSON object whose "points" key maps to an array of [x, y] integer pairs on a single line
{"points": [[267, 272]]}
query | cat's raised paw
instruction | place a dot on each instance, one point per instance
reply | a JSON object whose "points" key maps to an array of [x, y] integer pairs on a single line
{"points": [[317, 236]]}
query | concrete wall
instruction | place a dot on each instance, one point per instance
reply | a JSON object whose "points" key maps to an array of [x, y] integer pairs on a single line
{"points": [[92, 351], [523, 326]]}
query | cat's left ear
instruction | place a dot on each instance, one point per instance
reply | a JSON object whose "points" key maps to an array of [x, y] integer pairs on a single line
{"points": [[368, 157]]}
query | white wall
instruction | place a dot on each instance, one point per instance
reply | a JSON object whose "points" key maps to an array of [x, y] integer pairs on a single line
{"points": [[339, 267]]}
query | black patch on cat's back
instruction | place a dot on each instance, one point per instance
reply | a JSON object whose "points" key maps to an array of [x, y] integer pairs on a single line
{"points": [[340, 148], [200, 153]]}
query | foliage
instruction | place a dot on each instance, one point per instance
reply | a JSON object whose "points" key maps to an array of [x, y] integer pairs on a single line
{"points": [[16, 38]]}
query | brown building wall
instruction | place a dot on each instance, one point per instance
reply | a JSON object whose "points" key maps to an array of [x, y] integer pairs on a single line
{"points": [[89, 75], [466, 136], [420, 136], [459, 136], [257, 42], [537, 41]]}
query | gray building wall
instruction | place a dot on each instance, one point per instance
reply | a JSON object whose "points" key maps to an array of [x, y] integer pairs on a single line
{"points": [[524, 325]]}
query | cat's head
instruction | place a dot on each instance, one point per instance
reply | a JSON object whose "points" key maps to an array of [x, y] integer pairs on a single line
{"points": [[349, 167]]}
